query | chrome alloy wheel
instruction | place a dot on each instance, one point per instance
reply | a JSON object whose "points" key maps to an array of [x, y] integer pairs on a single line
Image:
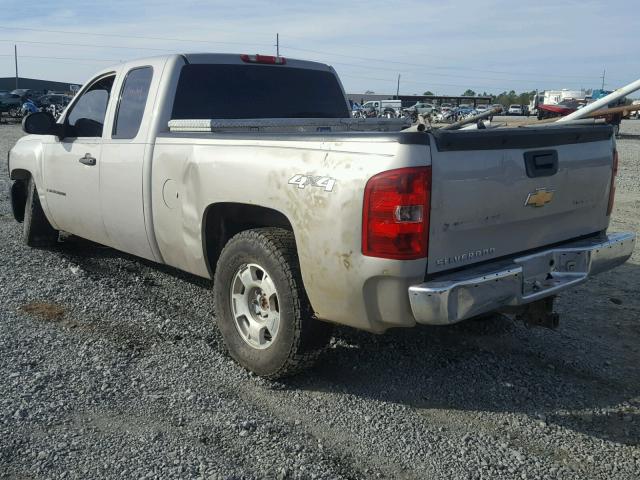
{"points": [[255, 307]]}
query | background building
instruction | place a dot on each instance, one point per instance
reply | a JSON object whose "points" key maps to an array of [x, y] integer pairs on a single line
{"points": [[9, 83]]}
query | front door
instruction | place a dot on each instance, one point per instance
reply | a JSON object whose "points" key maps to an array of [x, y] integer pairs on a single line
{"points": [[72, 166]]}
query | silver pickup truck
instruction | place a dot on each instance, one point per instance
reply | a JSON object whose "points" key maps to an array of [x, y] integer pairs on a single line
{"points": [[248, 170]]}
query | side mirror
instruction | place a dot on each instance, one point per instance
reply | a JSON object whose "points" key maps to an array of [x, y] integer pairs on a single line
{"points": [[39, 123]]}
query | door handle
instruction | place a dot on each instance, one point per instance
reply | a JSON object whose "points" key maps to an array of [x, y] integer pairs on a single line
{"points": [[88, 159], [541, 163]]}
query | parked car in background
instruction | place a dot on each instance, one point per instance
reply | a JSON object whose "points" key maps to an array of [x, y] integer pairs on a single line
{"points": [[515, 110], [465, 111], [482, 108], [28, 92], [454, 114], [355, 109], [53, 103], [381, 105], [53, 99], [421, 108], [20, 91], [389, 112], [499, 107], [637, 112], [10, 103]]}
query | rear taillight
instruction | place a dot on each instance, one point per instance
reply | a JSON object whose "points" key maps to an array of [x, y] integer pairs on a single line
{"points": [[395, 217], [612, 187], [267, 59]]}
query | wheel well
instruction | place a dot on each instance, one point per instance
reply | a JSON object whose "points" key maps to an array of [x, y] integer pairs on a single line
{"points": [[221, 221], [20, 174], [19, 193]]}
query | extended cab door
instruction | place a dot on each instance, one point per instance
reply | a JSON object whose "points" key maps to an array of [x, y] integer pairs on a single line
{"points": [[127, 148], [72, 165]]}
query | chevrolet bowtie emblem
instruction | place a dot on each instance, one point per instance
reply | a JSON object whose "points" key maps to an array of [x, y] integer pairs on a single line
{"points": [[539, 198]]}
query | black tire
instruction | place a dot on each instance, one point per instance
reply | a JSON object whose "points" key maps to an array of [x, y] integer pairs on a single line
{"points": [[37, 231], [300, 337]]}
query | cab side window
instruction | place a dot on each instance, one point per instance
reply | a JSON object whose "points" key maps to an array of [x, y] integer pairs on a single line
{"points": [[133, 99], [86, 119]]}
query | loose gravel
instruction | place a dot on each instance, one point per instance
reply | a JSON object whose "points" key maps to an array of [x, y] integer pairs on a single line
{"points": [[111, 367]]}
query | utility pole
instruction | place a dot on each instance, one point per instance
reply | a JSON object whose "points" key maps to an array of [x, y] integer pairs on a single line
{"points": [[277, 45], [398, 87], [15, 54], [603, 74]]}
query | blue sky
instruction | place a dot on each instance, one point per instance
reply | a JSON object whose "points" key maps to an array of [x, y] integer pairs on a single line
{"points": [[442, 46]]}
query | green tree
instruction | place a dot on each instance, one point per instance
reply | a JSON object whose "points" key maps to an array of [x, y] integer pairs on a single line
{"points": [[429, 92], [469, 93]]}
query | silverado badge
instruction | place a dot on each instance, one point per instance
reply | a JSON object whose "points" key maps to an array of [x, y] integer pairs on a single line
{"points": [[539, 198]]}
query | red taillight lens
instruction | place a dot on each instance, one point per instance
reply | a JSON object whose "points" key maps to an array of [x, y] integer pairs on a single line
{"points": [[267, 59], [612, 187], [395, 217]]}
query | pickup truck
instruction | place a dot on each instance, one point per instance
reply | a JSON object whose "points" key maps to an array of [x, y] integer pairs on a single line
{"points": [[248, 170]]}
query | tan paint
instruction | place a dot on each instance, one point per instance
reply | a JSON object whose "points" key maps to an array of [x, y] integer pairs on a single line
{"points": [[182, 177], [327, 225]]}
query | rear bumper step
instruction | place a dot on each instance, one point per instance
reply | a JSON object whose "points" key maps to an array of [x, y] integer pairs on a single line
{"points": [[464, 294]]}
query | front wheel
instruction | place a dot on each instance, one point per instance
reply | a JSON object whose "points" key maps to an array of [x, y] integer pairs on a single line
{"points": [[262, 309]]}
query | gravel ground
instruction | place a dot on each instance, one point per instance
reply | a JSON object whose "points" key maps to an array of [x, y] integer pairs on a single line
{"points": [[110, 367]]}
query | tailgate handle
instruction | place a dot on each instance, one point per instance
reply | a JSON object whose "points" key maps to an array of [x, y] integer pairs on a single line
{"points": [[541, 163]]}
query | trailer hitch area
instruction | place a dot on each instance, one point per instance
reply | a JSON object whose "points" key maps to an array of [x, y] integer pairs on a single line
{"points": [[539, 314]]}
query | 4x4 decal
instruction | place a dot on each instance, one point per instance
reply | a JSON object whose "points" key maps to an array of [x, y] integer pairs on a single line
{"points": [[327, 183]]}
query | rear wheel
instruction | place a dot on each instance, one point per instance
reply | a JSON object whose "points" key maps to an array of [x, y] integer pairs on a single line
{"points": [[37, 231], [261, 307]]}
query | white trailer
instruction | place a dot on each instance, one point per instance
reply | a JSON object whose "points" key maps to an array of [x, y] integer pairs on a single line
{"points": [[554, 97]]}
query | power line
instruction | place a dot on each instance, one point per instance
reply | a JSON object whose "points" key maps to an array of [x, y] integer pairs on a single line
{"points": [[34, 42], [428, 68], [371, 59], [84, 45], [60, 58], [437, 74], [118, 35], [421, 82], [164, 50]]}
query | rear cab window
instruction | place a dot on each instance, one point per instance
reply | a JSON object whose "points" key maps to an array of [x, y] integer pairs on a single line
{"points": [[228, 91], [132, 102]]}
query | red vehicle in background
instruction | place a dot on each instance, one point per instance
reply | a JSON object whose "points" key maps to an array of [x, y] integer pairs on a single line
{"points": [[559, 110]]}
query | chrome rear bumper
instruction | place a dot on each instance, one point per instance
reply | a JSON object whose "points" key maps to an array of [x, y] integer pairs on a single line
{"points": [[477, 290]]}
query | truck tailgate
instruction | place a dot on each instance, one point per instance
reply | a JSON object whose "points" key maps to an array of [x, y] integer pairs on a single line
{"points": [[503, 191]]}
